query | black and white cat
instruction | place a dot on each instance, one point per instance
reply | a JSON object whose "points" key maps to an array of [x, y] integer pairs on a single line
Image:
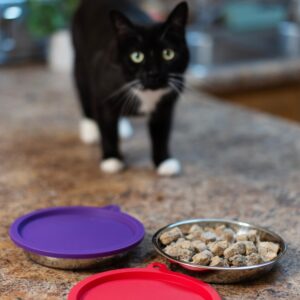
{"points": [[125, 64]]}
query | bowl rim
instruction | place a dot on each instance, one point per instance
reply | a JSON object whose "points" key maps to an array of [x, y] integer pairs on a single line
{"points": [[190, 265]]}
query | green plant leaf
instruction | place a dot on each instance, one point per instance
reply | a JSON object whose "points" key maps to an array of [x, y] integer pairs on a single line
{"points": [[47, 16]]}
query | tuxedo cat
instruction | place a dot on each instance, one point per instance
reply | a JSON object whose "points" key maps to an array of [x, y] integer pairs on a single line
{"points": [[126, 64]]}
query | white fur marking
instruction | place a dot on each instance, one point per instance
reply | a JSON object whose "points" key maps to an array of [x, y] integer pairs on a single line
{"points": [[169, 167], [111, 166], [125, 129], [88, 131], [149, 98]]}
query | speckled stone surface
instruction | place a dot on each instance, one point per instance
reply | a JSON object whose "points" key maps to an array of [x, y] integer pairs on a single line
{"points": [[237, 165], [257, 74]]}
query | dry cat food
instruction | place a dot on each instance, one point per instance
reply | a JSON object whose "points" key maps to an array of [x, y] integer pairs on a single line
{"points": [[218, 247]]}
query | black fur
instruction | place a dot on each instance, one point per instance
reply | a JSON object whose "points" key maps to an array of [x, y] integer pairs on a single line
{"points": [[103, 39]]}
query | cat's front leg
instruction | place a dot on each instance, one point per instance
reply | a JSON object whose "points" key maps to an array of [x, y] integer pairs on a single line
{"points": [[112, 161], [160, 124]]}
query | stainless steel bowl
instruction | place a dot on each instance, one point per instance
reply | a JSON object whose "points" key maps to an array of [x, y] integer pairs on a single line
{"points": [[73, 264], [223, 274]]}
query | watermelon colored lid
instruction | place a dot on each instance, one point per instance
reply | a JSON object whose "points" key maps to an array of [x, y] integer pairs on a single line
{"points": [[77, 232], [154, 282]]}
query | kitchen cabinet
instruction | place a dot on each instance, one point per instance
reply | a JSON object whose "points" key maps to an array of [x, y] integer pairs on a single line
{"points": [[281, 100]]}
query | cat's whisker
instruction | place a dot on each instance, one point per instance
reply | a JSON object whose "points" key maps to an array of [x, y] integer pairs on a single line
{"points": [[123, 89], [177, 89], [178, 83], [183, 85], [189, 78], [118, 100], [125, 104], [124, 97], [177, 75], [180, 86], [128, 103], [133, 106], [174, 87]]}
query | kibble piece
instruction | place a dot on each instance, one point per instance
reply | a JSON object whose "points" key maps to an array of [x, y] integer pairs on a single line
{"points": [[250, 247], [170, 236], [172, 251], [268, 250], [184, 244], [228, 235], [238, 260], [242, 237], [218, 261], [208, 236], [177, 252], [218, 248], [252, 235], [180, 240], [198, 246], [195, 235], [195, 228], [235, 249], [219, 230], [190, 237], [209, 229], [203, 258], [226, 262], [185, 254], [253, 259]]}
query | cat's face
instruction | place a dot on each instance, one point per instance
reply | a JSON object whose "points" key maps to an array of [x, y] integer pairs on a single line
{"points": [[152, 56]]}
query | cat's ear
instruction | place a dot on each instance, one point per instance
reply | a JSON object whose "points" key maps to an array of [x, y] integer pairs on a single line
{"points": [[178, 18], [121, 23]]}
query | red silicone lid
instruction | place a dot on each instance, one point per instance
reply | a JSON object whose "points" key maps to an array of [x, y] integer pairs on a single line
{"points": [[154, 282]]}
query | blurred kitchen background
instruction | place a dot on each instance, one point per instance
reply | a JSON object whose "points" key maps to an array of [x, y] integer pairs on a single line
{"points": [[246, 52]]}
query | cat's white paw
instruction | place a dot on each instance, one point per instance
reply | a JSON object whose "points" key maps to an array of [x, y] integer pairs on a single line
{"points": [[112, 166], [169, 167], [88, 131], [125, 129]]}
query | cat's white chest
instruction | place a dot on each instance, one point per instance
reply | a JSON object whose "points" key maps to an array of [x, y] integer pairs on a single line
{"points": [[149, 98]]}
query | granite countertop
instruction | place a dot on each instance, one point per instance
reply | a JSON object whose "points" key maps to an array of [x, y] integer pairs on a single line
{"points": [[247, 75], [238, 165]]}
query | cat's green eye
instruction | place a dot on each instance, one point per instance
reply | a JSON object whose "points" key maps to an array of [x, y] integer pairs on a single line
{"points": [[168, 54], [137, 57]]}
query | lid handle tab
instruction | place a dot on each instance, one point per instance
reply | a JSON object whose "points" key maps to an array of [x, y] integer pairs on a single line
{"points": [[158, 267]]}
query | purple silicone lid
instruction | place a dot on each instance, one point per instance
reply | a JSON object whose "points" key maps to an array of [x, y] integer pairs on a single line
{"points": [[77, 232]]}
